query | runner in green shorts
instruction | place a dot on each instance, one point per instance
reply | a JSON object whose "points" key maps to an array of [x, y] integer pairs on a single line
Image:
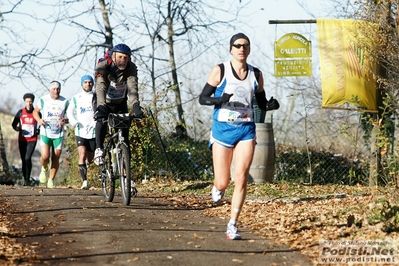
{"points": [[52, 108]]}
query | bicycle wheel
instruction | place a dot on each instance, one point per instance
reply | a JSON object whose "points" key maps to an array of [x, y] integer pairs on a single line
{"points": [[124, 173], [107, 180]]}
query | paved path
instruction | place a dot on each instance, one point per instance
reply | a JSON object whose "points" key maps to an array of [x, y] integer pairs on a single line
{"points": [[76, 227]]}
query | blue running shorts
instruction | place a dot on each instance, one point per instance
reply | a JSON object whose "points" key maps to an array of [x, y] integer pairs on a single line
{"points": [[229, 134]]}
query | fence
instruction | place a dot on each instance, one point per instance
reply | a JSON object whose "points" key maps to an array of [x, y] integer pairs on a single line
{"points": [[316, 149]]}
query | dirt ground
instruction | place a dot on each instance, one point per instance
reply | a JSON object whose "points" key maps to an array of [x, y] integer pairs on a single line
{"points": [[65, 226]]}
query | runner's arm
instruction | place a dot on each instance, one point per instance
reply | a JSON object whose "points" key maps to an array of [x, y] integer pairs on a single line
{"points": [[16, 122], [205, 97]]}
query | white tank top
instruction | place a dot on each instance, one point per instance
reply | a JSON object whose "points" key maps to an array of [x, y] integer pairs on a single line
{"points": [[239, 107], [52, 111]]}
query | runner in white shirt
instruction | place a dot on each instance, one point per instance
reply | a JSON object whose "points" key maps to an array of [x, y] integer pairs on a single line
{"points": [[80, 114], [53, 108]]}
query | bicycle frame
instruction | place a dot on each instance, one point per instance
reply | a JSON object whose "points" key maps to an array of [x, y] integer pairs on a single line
{"points": [[112, 144], [116, 165]]}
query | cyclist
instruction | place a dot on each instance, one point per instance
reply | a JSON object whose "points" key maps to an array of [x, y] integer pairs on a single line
{"points": [[116, 82], [52, 107], [26, 125], [80, 113]]}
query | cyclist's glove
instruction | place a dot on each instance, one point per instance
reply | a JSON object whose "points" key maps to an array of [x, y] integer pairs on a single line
{"points": [[137, 110], [101, 112]]}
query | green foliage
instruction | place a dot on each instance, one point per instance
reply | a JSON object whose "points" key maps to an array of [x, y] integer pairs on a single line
{"points": [[327, 168], [141, 142], [70, 148], [384, 127], [367, 127], [190, 159], [175, 154], [71, 175], [387, 214]]}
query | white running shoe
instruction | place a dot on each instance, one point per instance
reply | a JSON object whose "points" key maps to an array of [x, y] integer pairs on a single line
{"points": [[217, 195], [50, 183], [43, 176], [84, 185], [231, 232], [98, 156]]}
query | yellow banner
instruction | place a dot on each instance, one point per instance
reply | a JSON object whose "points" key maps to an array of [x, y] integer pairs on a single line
{"points": [[347, 67]]}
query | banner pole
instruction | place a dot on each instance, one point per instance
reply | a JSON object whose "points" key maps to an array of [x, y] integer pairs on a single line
{"points": [[293, 21]]}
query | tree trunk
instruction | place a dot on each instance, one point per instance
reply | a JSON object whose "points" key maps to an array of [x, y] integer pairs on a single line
{"points": [[107, 25], [172, 62], [374, 158], [3, 158]]}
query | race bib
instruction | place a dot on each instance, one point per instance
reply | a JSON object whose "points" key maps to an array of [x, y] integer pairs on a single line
{"points": [[235, 114], [28, 130], [54, 125], [116, 91]]}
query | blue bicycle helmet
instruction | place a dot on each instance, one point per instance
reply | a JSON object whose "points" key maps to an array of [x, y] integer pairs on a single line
{"points": [[122, 48]]}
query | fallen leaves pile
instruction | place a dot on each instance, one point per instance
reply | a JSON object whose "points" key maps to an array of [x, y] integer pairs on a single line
{"points": [[339, 212], [301, 225], [12, 252], [296, 216]]}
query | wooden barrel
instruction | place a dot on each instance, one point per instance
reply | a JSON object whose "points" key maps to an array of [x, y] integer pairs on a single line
{"points": [[262, 168]]}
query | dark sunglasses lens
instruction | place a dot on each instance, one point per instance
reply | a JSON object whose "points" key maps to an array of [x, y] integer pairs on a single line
{"points": [[238, 46]]}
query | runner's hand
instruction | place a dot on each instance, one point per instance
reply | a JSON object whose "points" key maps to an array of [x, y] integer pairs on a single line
{"points": [[64, 121], [225, 98], [272, 104]]}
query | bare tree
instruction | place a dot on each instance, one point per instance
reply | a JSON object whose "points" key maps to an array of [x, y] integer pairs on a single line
{"points": [[94, 27], [180, 31], [185, 30]]}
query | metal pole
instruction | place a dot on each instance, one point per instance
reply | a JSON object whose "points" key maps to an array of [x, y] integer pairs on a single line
{"points": [[292, 21]]}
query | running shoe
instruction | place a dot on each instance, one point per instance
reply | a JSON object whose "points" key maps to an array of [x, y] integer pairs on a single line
{"points": [[43, 176], [84, 185], [50, 183], [98, 156], [231, 232], [217, 195]]}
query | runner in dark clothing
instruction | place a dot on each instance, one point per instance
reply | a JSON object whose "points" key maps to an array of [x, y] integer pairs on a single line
{"points": [[26, 125]]}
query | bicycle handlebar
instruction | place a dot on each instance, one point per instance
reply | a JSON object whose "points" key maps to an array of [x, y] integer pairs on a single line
{"points": [[119, 120]]}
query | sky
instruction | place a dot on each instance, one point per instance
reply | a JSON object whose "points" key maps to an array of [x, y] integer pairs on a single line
{"points": [[255, 25]]}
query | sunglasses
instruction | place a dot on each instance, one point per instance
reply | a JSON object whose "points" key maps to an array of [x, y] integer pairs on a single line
{"points": [[238, 45]]}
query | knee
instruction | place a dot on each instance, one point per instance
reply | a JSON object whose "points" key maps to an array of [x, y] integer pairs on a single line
{"points": [[44, 157], [56, 155], [222, 184]]}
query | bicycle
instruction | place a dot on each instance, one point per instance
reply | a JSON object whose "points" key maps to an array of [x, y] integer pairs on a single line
{"points": [[116, 162]]}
